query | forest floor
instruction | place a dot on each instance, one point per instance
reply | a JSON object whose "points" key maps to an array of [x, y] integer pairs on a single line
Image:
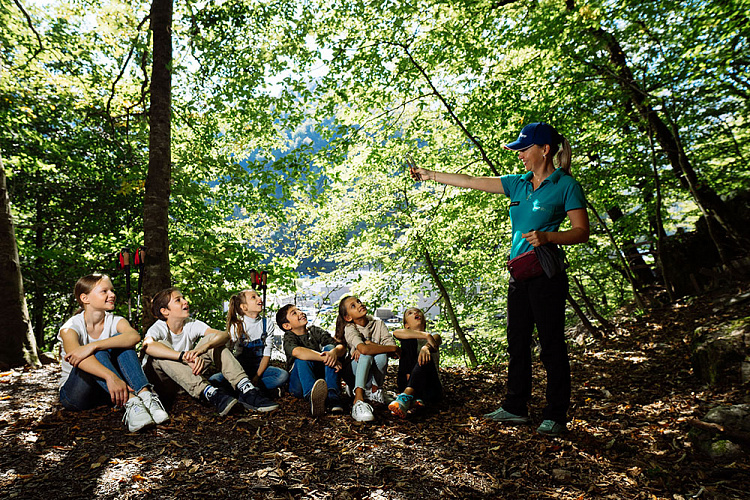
{"points": [[633, 395]]}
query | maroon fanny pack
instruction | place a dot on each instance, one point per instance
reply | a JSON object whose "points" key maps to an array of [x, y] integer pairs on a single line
{"points": [[525, 266]]}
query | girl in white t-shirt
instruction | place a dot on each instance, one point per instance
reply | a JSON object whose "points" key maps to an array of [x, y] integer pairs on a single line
{"points": [[251, 339], [181, 349], [99, 363]]}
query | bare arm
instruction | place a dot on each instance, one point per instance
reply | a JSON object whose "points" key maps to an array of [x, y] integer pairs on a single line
{"points": [[372, 349], [578, 233], [158, 350], [216, 338], [118, 389], [489, 184]]}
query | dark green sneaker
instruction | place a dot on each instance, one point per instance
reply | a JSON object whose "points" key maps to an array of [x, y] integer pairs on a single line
{"points": [[551, 428], [500, 415]]}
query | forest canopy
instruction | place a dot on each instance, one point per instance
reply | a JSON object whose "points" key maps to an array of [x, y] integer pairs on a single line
{"points": [[291, 122]]}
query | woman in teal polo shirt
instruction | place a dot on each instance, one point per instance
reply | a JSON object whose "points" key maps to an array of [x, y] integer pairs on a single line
{"points": [[540, 200]]}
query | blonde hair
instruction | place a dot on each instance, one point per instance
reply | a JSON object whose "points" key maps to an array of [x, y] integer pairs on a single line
{"points": [[562, 154], [423, 323]]}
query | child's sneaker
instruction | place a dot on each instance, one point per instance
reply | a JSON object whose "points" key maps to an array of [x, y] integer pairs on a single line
{"points": [[222, 401], [376, 396], [318, 395], [254, 400], [334, 402], [136, 416], [400, 406], [362, 412], [153, 405]]}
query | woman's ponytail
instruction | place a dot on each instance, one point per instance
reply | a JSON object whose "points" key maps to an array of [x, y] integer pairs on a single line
{"points": [[563, 156]]}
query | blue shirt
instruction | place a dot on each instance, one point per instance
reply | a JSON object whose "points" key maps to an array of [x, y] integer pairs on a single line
{"points": [[542, 209]]}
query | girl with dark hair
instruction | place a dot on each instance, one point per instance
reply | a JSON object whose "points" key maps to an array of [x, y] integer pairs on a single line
{"points": [[370, 343], [180, 349], [99, 363], [418, 377], [540, 200]]}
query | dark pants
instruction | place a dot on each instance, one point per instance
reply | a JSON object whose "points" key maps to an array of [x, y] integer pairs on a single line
{"points": [[423, 379], [539, 301]]}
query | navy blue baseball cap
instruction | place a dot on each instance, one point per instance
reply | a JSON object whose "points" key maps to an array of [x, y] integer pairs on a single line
{"points": [[535, 133]]}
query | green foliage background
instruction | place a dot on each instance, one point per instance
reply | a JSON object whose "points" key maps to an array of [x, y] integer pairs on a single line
{"points": [[446, 82]]}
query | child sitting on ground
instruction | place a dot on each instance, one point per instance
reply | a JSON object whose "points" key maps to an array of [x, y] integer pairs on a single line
{"points": [[370, 343], [180, 350], [99, 362], [418, 377], [312, 359], [252, 340]]}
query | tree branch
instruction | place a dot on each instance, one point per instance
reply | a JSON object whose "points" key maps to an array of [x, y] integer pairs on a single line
{"points": [[31, 27]]}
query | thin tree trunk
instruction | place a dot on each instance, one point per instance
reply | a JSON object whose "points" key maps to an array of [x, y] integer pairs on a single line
{"points": [[585, 320], [660, 234], [156, 274], [18, 344], [626, 267], [590, 307], [449, 310]]}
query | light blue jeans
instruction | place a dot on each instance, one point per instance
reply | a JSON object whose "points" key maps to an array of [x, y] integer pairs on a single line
{"points": [[369, 370], [83, 391]]}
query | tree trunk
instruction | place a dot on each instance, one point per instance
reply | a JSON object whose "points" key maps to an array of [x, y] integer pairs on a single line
{"points": [[606, 325], [449, 310], [156, 274], [626, 268], [18, 345], [660, 233], [706, 198], [586, 322]]}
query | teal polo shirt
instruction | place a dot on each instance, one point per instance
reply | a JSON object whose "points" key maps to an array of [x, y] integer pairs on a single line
{"points": [[540, 210]]}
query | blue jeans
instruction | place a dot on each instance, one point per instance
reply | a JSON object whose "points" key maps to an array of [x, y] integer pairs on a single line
{"points": [[366, 375], [272, 377], [83, 391], [305, 373]]}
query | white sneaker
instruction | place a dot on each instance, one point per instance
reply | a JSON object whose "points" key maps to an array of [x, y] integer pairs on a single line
{"points": [[362, 412], [154, 407], [136, 415], [376, 396]]}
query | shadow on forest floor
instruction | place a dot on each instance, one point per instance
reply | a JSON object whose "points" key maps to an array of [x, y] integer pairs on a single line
{"points": [[632, 397]]}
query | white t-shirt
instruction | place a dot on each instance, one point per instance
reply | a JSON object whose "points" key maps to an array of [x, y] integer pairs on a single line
{"points": [[253, 331], [192, 331], [78, 324]]}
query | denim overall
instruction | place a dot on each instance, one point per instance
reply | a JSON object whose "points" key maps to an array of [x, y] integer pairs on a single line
{"points": [[252, 352]]}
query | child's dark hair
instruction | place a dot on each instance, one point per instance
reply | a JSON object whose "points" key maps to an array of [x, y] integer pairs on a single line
{"points": [[161, 300], [281, 316], [340, 321], [84, 285], [234, 312]]}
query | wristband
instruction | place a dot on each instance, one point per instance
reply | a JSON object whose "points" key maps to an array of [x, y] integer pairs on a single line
{"points": [[182, 355]]}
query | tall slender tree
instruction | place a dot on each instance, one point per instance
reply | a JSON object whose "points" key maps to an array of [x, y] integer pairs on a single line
{"points": [[156, 202]]}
